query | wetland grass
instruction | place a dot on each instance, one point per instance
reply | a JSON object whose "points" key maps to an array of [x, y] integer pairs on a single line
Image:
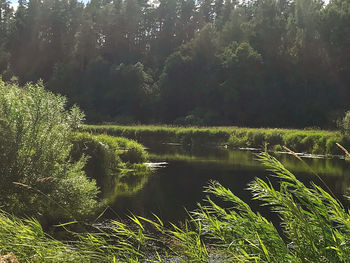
{"points": [[306, 141]]}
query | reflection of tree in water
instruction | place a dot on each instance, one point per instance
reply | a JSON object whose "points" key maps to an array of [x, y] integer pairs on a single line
{"points": [[334, 171], [245, 158], [180, 183], [127, 183]]}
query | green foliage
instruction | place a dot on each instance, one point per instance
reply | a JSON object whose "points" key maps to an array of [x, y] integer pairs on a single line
{"points": [[307, 141], [314, 228], [28, 242], [102, 159], [107, 153], [116, 163], [244, 63], [37, 174], [344, 124], [314, 224]]}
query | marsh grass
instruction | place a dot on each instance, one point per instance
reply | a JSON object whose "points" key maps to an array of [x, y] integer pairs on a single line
{"points": [[307, 141], [108, 155], [28, 242]]}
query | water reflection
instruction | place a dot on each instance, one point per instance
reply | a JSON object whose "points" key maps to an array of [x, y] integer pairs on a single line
{"points": [[179, 184]]}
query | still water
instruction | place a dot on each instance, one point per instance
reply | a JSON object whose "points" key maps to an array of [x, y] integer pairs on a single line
{"points": [[178, 180]]}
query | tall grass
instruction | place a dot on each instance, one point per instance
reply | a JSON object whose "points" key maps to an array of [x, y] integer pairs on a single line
{"points": [[309, 141], [315, 227], [27, 241]]}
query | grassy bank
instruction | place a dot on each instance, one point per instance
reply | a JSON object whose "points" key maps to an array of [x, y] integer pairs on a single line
{"points": [[107, 155], [309, 141], [116, 163]]}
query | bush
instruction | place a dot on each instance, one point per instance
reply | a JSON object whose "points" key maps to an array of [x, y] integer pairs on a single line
{"points": [[37, 175], [274, 138], [102, 159], [256, 139], [130, 151], [238, 139], [110, 151], [294, 141], [344, 124], [107, 155], [116, 163]]}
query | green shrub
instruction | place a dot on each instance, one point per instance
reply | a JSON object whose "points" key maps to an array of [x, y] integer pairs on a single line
{"points": [[344, 124], [256, 139], [277, 148], [102, 159], [317, 149], [274, 138], [331, 147], [130, 151], [37, 175], [294, 141], [307, 143], [107, 155], [238, 139]]}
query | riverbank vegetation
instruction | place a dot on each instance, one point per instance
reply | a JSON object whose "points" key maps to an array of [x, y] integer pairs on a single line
{"points": [[307, 141], [314, 228], [256, 63], [116, 163], [195, 64], [107, 155], [26, 241], [56, 178], [49, 170], [38, 176]]}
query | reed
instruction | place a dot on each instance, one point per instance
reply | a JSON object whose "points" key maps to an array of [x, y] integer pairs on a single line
{"points": [[307, 141]]}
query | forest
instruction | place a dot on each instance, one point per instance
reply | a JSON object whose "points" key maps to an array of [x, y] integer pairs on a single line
{"points": [[256, 63], [117, 117]]}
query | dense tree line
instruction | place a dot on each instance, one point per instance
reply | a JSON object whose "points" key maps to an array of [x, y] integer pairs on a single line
{"points": [[209, 62]]}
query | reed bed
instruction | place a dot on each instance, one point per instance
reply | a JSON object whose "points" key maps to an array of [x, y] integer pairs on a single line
{"points": [[306, 141]]}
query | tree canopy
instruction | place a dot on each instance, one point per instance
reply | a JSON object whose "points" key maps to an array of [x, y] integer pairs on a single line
{"points": [[209, 62]]}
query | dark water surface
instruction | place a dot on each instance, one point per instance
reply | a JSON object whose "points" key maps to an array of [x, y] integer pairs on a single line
{"points": [[183, 173]]}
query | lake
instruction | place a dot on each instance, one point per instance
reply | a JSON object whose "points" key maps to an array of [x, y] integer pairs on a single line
{"points": [[181, 174]]}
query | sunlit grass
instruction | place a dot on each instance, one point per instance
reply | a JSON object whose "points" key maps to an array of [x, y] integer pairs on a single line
{"points": [[307, 141]]}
